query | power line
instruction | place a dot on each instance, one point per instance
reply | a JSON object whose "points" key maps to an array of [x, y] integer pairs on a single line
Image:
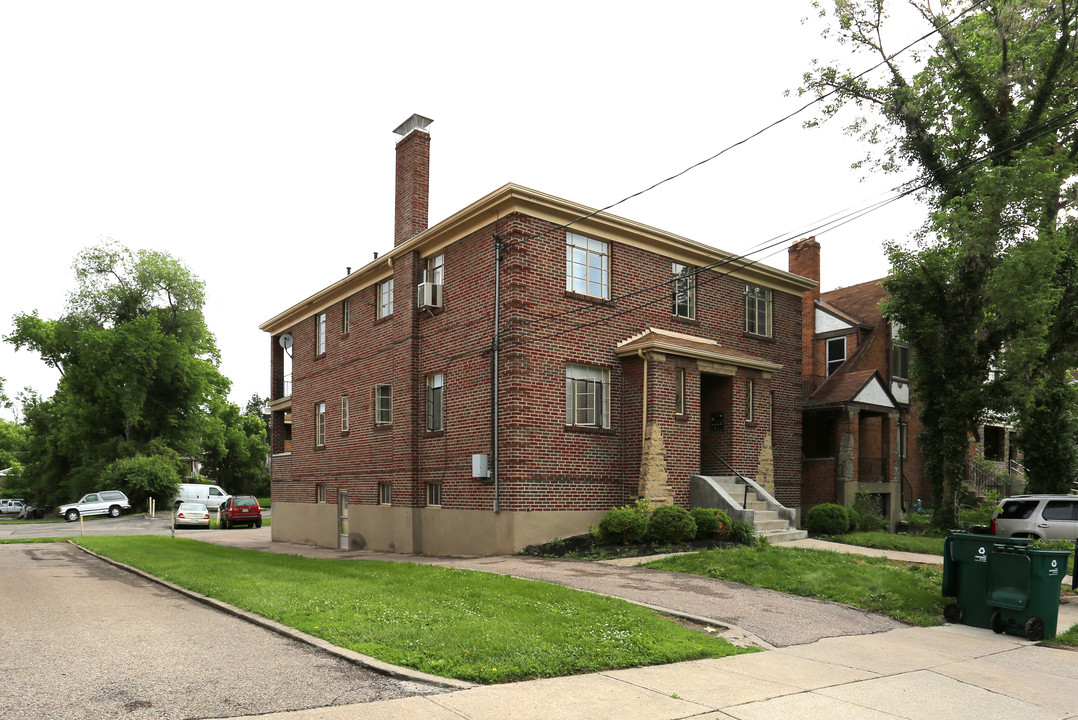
{"points": [[1024, 138], [759, 132]]}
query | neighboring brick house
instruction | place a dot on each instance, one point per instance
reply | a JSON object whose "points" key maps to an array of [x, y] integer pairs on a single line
{"points": [[860, 423], [620, 372]]}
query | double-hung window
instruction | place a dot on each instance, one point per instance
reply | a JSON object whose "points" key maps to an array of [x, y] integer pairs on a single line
{"points": [[587, 396], [757, 310], [436, 402], [383, 404], [836, 354], [587, 266], [320, 334], [385, 298], [434, 272], [344, 414], [679, 392], [684, 301], [900, 360], [346, 319], [320, 424]]}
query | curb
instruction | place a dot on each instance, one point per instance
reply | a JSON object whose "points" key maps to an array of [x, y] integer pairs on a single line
{"points": [[359, 659]]}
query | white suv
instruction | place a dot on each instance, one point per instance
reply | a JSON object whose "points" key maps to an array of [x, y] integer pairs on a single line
{"points": [[110, 502], [1047, 517]]}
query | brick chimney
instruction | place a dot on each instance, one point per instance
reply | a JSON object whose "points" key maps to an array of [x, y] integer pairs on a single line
{"points": [[805, 261], [413, 178]]}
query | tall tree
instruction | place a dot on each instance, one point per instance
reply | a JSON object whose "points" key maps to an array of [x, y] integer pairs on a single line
{"points": [[138, 367], [986, 119], [235, 448]]}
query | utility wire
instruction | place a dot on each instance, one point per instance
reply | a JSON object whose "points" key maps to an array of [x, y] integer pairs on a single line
{"points": [[1024, 138], [756, 134]]}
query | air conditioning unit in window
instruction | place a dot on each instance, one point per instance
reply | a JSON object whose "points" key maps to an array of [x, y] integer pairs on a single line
{"points": [[430, 295]]}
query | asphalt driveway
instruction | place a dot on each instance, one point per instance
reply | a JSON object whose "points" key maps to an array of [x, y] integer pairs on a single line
{"points": [[84, 639]]}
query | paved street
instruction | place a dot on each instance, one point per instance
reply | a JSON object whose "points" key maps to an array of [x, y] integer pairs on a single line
{"points": [[85, 640]]}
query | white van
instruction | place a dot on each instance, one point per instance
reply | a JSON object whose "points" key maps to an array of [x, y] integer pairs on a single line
{"points": [[212, 496]]}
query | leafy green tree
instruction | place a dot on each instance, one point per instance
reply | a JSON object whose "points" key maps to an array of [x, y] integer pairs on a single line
{"points": [[138, 369], [235, 449], [986, 120]]}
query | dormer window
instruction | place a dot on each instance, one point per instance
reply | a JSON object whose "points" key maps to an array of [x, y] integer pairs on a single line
{"points": [[836, 354]]}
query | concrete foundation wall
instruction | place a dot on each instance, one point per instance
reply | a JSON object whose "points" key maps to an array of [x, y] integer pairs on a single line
{"points": [[428, 531]]}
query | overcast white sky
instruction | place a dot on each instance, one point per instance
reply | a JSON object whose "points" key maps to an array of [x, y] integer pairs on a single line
{"points": [[253, 140]]}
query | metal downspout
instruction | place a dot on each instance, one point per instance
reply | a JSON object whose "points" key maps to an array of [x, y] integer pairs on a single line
{"points": [[494, 369]]}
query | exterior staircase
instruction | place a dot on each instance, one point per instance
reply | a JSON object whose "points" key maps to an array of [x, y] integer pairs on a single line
{"points": [[744, 499]]}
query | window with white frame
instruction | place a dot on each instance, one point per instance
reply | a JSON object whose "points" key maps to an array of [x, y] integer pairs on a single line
{"points": [[320, 334], [757, 310], [900, 360], [836, 354], [385, 298], [434, 272], [344, 413], [320, 424], [587, 396], [436, 402], [684, 301], [434, 494], [385, 494], [587, 266], [320, 492], [383, 404], [346, 316]]}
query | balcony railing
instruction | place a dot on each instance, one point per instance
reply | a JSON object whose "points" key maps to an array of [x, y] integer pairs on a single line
{"points": [[282, 387]]}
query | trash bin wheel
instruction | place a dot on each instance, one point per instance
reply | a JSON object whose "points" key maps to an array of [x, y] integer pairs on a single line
{"points": [[953, 613], [1035, 629], [997, 623]]}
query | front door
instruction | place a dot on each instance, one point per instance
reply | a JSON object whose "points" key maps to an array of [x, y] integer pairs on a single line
{"points": [[715, 407], [342, 519]]}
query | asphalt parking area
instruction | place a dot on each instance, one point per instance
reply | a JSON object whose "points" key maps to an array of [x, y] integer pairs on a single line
{"points": [[84, 639]]}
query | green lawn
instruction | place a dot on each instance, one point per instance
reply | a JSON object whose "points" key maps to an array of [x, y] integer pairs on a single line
{"points": [[887, 541], [462, 624], [19, 541], [900, 590]]}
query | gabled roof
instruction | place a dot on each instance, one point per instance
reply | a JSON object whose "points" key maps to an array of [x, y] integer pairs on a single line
{"points": [[860, 302], [674, 343], [864, 388]]}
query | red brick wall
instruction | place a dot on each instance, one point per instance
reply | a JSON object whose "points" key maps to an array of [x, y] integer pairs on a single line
{"points": [[544, 464]]}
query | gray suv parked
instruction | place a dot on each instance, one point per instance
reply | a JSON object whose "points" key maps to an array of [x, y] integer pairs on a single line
{"points": [[1048, 517], [110, 502]]}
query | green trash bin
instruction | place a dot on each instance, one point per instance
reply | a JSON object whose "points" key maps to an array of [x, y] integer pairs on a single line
{"points": [[965, 575], [1023, 590]]}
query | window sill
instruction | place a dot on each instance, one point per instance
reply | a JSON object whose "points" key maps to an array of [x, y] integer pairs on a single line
{"points": [[382, 427], [586, 298], [384, 318], [686, 321], [345, 433], [761, 338], [588, 430], [319, 356], [319, 448], [434, 433]]}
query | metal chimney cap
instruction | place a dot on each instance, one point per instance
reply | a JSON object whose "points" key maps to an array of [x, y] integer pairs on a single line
{"points": [[416, 122]]}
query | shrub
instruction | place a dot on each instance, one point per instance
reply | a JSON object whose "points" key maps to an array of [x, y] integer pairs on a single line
{"points": [[671, 524], [143, 477], [854, 518], [743, 533], [869, 514], [624, 525], [827, 519], [710, 522]]}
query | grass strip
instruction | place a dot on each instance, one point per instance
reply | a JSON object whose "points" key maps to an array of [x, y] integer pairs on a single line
{"points": [[904, 591], [1068, 639], [463, 624], [20, 541], [887, 541]]}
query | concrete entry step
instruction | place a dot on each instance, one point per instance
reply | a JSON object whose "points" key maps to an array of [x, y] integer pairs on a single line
{"points": [[781, 536]]}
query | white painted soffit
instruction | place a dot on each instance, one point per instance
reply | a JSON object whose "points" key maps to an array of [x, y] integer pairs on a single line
{"points": [[874, 394]]}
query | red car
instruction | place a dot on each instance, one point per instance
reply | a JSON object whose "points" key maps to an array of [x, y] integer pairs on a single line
{"points": [[241, 510]]}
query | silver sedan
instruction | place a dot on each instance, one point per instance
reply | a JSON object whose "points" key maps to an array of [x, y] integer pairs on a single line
{"points": [[191, 515]]}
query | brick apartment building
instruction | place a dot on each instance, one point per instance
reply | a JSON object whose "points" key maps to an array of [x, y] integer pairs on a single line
{"points": [[861, 422], [502, 379]]}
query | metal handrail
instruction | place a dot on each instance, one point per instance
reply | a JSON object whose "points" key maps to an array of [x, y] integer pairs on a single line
{"points": [[744, 479]]}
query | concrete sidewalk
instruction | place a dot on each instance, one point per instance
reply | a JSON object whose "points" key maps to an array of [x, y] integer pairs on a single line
{"points": [[825, 660]]}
